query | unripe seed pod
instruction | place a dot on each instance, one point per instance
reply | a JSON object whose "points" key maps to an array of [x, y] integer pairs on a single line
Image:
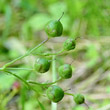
{"points": [[54, 28], [42, 65], [65, 71], [69, 44], [79, 99], [55, 93]]}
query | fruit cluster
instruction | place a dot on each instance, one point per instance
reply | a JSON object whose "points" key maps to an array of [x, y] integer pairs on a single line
{"points": [[55, 93]]}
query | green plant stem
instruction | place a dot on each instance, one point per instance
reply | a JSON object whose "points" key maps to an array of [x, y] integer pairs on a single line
{"points": [[26, 83], [66, 93], [28, 69], [39, 45], [47, 54], [26, 54], [19, 78], [44, 84], [7, 64], [61, 16], [22, 80], [54, 78]]}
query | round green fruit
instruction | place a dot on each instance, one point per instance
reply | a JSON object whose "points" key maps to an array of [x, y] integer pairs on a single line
{"points": [[65, 71], [79, 99], [54, 28], [55, 93], [42, 65], [69, 44]]}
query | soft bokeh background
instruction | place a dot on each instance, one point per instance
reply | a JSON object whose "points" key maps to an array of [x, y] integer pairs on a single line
{"points": [[22, 27]]}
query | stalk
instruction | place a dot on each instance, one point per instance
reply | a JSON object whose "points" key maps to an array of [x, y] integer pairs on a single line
{"points": [[54, 78], [44, 84], [21, 79], [26, 54]]}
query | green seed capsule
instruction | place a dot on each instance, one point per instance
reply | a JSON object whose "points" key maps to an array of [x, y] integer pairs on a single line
{"points": [[69, 44], [54, 28], [65, 71], [79, 99], [55, 93], [42, 65]]}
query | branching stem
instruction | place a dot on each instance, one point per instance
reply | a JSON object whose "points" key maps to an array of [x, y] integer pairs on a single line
{"points": [[28, 69], [19, 78], [44, 84], [66, 93], [48, 54], [26, 54]]}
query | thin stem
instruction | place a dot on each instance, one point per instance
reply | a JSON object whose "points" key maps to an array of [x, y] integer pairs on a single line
{"points": [[19, 78], [44, 84], [79, 38], [71, 62], [7, 64], [54, 78], [61, 16], [39, 45], [28, 69], [26, 54], [69, 94], [29, 87], [47, 54], [66, 90]]}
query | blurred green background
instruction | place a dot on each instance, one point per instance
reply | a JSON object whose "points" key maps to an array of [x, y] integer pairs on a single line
{"points": [[22, 27]]}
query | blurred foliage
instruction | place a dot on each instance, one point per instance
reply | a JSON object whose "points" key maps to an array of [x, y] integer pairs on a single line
{"points": [[22, 26]]}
